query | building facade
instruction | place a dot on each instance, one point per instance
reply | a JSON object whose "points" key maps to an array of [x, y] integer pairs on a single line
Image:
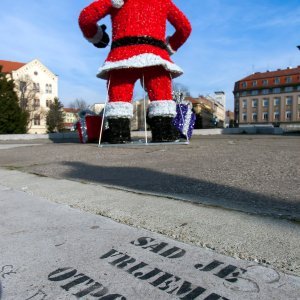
{"points": [[229, 119], [36, 87], [70, 117], [268, 98], [210, 113]]}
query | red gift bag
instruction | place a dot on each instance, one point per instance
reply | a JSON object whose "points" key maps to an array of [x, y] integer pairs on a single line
{"points": [[89, 128]]}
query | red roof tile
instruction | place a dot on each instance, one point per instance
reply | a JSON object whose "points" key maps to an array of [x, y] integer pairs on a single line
{"points": [[71, 110], [268, 74], [9, 66]]}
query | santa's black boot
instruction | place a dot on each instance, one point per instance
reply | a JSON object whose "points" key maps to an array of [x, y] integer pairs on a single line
{"points": [[119, 131], [162, 130]]}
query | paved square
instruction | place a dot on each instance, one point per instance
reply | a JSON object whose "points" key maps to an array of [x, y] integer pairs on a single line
{"points": [[51, 251]]}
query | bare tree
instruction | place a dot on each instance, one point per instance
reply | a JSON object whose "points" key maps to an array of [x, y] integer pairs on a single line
{"points": [[28, 93], [79, 104], [179, 87]]}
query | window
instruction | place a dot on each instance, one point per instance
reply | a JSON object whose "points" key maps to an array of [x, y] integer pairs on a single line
{"points": [[265, 102], [288, 79], [276, 90], [289, 100], [265, 82], [276, 101], [244, 93], [35, 73], [298, 99], [254, 92], [254, 117], [37, 120], [36, 102], [288, 89], [48, 88], [254, 103], [244, 84], [288, 115], [23, 86], [298, 88], [244, 116], [254, 83], [276, 80], [244, 103], [265, 116], [36, 87], [265, 91], [48, 103], [276, 116]]}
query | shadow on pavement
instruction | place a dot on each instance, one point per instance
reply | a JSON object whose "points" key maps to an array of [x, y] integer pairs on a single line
{"points": [[197, 191]]}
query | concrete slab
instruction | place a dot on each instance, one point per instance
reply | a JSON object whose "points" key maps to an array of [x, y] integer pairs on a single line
{"points": [[51, 251], [274, 242]]}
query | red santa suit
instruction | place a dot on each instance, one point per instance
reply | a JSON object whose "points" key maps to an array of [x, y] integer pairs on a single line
{"points": [[139, 50]]}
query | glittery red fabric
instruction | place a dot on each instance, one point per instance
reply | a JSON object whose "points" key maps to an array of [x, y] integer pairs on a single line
{"points": [[156, 79], [91, 131], [137, 18]]}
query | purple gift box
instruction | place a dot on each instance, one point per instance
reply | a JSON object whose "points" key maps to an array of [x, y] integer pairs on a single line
{"points": [[185, 119]]}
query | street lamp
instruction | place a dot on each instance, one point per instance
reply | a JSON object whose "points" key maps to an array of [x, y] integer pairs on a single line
{"points": [[298, 47]]}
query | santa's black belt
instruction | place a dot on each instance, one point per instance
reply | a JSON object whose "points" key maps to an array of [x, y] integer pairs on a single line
{"points": [[138, 40]]}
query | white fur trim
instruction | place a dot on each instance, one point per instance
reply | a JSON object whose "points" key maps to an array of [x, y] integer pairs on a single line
{"points": [[164, 108], [114, 110], [97, 37], [117, 3], [169, 48], [140, 61]]}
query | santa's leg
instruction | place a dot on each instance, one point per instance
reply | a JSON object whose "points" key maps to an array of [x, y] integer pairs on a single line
{"points": [[119, 109], [162, 109]]}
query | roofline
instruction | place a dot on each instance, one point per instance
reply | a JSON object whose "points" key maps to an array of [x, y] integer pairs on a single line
{"points": [[270, 74]]}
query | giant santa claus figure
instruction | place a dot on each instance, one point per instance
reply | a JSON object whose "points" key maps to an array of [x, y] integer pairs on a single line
{"points": [[140, 50]]}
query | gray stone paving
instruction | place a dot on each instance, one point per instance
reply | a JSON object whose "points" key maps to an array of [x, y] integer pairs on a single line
{"points": [[233, 200], [256, 174]]}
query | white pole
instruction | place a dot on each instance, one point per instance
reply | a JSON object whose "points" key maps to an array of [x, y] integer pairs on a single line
{"points": [[103, 116], [145, 115]]}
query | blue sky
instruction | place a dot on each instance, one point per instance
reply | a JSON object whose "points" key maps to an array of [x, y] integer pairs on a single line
{"points": [[230, 40]]}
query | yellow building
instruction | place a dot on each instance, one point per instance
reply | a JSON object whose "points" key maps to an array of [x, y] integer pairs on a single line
{"points": [[70, 117]]}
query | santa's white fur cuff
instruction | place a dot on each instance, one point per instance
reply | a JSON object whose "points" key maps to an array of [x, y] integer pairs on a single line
{"points": [[162, 108], [117, 3], [114, 110], [97, 37]]}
